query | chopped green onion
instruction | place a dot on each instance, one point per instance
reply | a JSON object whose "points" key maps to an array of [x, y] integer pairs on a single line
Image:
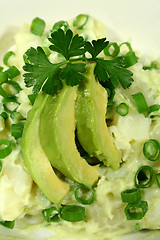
{"points": [[51, 214], [4, 94], [140, 102], [143, 177], [7, 148], [129, 59], [1, 165], [7, 56], [3, 77], [59, 25], [9, 100], [8, 224], [4, 115], [32, 98], [16, 116], [136, 210], [73, 213], [122, 109], [12, 72], [115, 51], [80, 21], [153, 108], [152, 66], [84, 194], [17, 130], [128, 46], [131, 195], [37, 26], [151, 150], [158, 179], [15, 85]]}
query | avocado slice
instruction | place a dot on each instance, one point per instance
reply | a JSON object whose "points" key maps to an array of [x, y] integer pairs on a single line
{"points": [[57, 137], [92, 129], [35, 159]]}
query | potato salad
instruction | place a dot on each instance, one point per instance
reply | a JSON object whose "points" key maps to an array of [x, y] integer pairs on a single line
{"points": [[79, 133]]}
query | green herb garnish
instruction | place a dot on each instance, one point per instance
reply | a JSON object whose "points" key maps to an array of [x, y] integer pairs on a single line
{"points": [[42, 74], [73, 213], [131, 195], [84, 194], [143, 177]]}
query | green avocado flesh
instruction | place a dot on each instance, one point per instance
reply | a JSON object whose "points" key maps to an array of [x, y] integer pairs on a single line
{"points": [[92, 130], [57, 137], [35, 159]]}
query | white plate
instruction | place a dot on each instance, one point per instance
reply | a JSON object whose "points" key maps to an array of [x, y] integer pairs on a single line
{"points": [[138, 20]]}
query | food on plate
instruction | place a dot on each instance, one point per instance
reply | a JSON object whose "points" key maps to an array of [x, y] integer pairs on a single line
{"points": [[79, 132]]}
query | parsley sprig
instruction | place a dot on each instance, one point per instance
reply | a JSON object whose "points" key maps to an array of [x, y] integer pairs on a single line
{"points": [[48, 77]]}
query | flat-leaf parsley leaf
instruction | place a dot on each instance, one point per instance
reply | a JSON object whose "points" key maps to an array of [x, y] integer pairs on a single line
{"points": [[40, 70], [66, 44], [72, 73], [48, 77]]}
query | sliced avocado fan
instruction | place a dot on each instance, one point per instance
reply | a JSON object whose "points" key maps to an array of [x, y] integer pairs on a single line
{"points": [[92, 129], [35, 159], [57, 137]]}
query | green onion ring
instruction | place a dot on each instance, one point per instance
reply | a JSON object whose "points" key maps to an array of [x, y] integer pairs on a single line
{"points": [[141, 180], [12, 72], [17, 130], [131, 195], [84, 198], [7, 56], [129, 59], [15, 85], [78, 23], [136, 215], [9, 100], [51, 214], [122, 109], [151, 150], [5, 151], [3, 77], [127, 44], [59, 25], [73, 213], [115, 51]]}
